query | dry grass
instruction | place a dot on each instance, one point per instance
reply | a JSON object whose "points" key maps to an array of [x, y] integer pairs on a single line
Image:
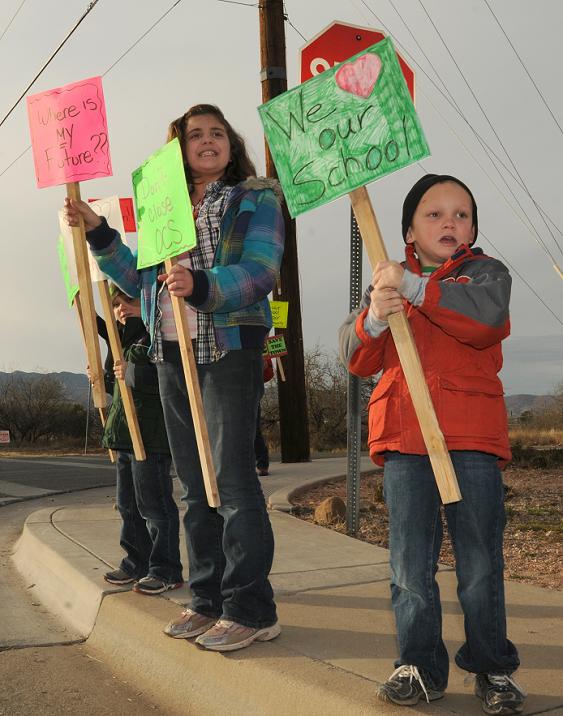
{"points": [[537, 436]]}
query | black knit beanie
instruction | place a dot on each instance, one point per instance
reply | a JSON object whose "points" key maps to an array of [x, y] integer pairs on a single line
{"points": [[414, 196]]}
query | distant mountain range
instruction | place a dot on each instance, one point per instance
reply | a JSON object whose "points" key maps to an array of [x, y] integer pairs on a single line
{"points": [[76, 386]]}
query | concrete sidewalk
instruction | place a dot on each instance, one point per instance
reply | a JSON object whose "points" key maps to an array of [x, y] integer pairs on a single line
{"points": [[337, 640]]}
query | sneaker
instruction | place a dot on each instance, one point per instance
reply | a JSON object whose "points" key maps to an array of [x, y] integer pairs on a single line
{"points": [[262, 471], [406, 687], [189, 624], [230, 636], [119, 576], [499, 693], [154, 585]]}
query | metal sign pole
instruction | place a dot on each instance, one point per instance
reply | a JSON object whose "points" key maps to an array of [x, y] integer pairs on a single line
{"points": [[354, 388]]}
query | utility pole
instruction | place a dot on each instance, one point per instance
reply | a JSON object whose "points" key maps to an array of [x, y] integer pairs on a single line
{"points": [[292, 396]]}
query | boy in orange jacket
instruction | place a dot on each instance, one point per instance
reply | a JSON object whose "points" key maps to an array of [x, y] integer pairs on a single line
{"points": [[456, 300]]}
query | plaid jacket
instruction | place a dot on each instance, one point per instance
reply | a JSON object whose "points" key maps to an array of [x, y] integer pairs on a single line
{"points": [[235, 290]]}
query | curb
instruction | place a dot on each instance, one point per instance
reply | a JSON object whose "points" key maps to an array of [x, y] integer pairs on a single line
{"points": [[71, 584], [281, 499], [269, 678]]}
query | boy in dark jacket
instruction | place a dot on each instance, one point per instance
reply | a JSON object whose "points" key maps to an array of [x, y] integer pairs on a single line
{"points": [[456, 301], [150, 529]]}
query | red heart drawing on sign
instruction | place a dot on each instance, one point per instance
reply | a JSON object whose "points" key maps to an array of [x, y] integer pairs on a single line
{"points": [[359, 77]]}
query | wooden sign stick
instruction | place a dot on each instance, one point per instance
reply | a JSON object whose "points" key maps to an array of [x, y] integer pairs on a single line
{"points": [[124, 389], [408, 355], [280, 369], [194, 394], [102, 411], [87, 303]]}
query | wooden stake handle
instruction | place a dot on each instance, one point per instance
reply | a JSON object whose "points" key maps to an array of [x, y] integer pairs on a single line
{"points": [[102, 411], [87, 302], [279, 364], [194, 394], [410, 362], [125, 390]]}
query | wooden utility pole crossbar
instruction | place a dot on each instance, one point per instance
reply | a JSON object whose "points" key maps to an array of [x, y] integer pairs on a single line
{"points": [[88, 311], [408, 355], [125, 390], [194, 394]]}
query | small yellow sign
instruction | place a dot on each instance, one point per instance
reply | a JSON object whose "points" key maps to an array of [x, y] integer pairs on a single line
{"points": [[279, 313]]}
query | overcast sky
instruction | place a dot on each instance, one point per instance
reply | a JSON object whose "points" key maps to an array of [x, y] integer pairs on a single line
{"points": [[209, 52]]}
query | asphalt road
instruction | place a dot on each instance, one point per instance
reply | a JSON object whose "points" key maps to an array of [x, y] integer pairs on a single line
{"points": [[32, 477], [43, 670]]}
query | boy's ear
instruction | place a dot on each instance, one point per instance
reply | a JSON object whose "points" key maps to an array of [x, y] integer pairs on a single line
{"points": [[409, 237]]}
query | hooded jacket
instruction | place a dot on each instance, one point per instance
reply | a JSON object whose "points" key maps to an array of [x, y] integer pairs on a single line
{"points": [[458, 318], [235, 288], [141, 377]]}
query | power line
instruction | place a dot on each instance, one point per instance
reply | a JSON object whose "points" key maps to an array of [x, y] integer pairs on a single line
{"points": [[468, 123], [12, 20], [84, 15], [234, 2], [15, 160], [104, 74], [142, 37], [524, 66], [531, 228], [524, 217], [286, 18], [469, 87], [514, 270], [452, 104]]}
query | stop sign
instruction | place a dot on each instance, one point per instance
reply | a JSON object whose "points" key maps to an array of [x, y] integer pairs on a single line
{"points": [[337, 43]]}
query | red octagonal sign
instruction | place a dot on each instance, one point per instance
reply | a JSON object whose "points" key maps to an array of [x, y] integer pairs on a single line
{"points": [[337, 43]]}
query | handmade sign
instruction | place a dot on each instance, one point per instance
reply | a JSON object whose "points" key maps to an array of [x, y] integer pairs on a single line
{"points": [[279, 313], [110, 209], [276, 346], [70, 143], [342, 129], [68, 271], [69, 133], [164, 211], [127, 214], [332, 135]]}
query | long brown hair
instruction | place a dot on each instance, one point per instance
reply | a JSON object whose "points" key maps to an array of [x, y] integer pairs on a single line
{"points": [[240, 165]]}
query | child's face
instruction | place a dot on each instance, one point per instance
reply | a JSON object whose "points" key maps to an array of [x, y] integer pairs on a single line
{"points": [[124, 308], [443, 220], [208, 149]]}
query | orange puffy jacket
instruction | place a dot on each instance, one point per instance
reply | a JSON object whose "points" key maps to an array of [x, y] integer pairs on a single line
{"points": [[458, 328]]}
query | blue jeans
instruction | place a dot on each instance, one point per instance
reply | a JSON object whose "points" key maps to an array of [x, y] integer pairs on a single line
{"points": [[150, 528], [476, 526], [230, 548], [260, 447]]}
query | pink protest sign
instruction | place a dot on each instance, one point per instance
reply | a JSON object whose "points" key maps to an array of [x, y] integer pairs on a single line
{"points": [[69, 133]]}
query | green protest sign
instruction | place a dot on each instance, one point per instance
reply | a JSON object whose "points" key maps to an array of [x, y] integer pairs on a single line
{"points": [[276, 346], [71, 285], [164, 211], [343, 128]]}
